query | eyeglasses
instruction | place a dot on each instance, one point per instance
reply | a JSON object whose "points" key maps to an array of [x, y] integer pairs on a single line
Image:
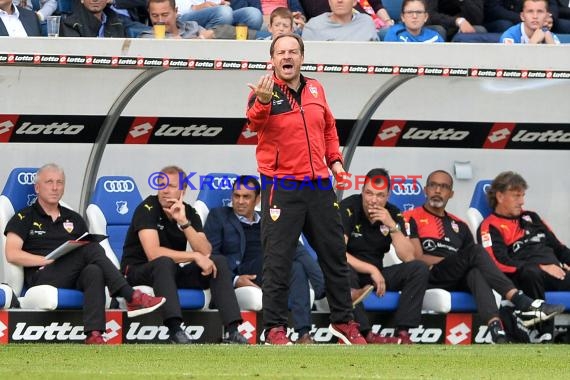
{"points": [[435, 185], [414, 13]]}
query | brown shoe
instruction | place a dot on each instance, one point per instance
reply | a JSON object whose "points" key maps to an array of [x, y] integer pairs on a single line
{"points": [[358, 295], [306, 338]]}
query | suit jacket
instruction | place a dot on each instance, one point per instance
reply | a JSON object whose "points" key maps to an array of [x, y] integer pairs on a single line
{"points": [[29, 20]]}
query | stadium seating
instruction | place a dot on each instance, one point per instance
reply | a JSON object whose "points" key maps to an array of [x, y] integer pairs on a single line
{"points": [[215, 191], [479, 207], [110, 211], [18, 193]]}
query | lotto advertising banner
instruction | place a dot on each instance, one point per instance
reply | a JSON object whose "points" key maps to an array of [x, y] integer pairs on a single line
{"points": [[230, 131], [17, 326]]}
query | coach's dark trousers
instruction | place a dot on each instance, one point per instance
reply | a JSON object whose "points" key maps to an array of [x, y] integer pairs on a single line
{"points": [[289, 208], [165, 277], [87, 269], [472, 269]]}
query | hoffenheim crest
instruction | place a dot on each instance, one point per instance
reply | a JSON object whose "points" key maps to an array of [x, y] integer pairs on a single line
{"points": [[122, 207]]}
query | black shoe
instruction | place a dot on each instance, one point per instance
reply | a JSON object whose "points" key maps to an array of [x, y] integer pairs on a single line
{"points": [[497, 332], [540, 311], [234, 338], [180, 337]]}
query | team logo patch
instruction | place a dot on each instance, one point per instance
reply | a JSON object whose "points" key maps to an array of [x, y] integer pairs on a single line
{"points": [[385, 230], [527, 218], [486, 240], [314, 91], [68, 226], [454, 226], [407, 227], [274, 213]]}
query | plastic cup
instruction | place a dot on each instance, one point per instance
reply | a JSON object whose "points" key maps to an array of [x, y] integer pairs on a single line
{"points": [[159, 30], [53, 25], [241, 32]]}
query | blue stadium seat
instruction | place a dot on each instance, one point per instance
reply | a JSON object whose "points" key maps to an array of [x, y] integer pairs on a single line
{"points": [[394, 8], [110, 211], [407, 195], [479, 207], [561, 297], [19, 193], [215, 191]]}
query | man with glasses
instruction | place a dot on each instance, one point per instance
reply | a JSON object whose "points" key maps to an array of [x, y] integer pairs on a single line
{"points": [[445, 243]]}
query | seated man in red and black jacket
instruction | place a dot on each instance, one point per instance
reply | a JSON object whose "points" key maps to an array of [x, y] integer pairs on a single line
{"points": [[519, 241], [445, 243]]}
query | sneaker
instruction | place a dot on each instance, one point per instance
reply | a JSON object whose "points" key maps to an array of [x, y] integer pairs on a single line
{"points": [[373, 338], [235, 338], [95, 337], [180, 337], [498, 334], [348, 333], [404, 337], [142, 303], [540, 311], [358, 295], [306, 338], [277, 336]]}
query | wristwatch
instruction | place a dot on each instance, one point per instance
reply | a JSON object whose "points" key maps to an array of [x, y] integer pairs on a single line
{"points": [[184, 226], [394, 229]]}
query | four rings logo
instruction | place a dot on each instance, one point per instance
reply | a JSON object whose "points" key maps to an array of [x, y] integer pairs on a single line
{"points": [[406, 188], [119, 186], [26, 178]]}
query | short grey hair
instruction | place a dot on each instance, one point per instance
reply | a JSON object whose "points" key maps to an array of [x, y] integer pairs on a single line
{"points": [[50, 166]]}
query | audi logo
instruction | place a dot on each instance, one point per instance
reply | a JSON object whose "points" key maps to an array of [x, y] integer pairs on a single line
{"points": [[26, 178], [222, 183], [486, 188], [119, 186], [406, 189]]}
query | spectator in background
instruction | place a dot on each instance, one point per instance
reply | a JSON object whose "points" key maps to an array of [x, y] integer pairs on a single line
{"points": [[314, 8], [16, 21], [42, 8], [211, 13], [280, 22], [165, 11], [522, 244], [449, 17], [268, 6], [533, 29], [502, 14], [134, 15], [235, 233], [411, 29], [342, 24], [92, 18], [371, 225]]}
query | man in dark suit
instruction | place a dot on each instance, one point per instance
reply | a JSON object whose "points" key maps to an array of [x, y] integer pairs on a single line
{"points": [[17, 22], [234, 232]]}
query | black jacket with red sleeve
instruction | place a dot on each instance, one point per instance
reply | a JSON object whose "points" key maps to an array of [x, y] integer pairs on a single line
{"points": [[515, 242]]}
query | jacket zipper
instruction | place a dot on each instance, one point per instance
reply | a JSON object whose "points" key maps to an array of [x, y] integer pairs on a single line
{"points": [[308, 142]]}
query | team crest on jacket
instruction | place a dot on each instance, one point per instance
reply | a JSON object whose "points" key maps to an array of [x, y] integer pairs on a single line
{"points": [[274, 213], [314, 91], [527, 218], [68, 226], [385, 230], [454, 226]]}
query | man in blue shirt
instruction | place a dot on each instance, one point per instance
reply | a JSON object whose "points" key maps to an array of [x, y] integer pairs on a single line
{"points": [[532, 29]]}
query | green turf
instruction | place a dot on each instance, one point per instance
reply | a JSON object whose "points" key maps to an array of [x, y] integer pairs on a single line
{"points": [[63, 361]]}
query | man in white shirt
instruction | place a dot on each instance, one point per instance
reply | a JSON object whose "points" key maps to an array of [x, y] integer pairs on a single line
{"points": [[17, 22]]}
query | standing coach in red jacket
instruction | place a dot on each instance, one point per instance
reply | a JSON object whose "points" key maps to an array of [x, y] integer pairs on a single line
{"points": [[298, 143]]}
